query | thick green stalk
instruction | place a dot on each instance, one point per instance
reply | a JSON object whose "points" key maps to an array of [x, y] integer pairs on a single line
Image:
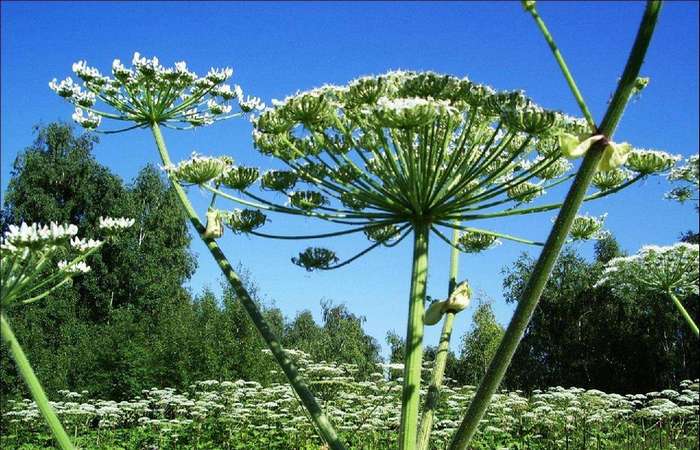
{"points": [[307, 398], [433, 397], [684, 313], [413, 361], [25, 370], [557, 237], [562, 64]]}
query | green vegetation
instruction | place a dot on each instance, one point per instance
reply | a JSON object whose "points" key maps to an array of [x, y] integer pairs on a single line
{"points": [[247, 415]]}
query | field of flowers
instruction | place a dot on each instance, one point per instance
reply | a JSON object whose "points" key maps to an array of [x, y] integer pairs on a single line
{"points": [[246, 415]]}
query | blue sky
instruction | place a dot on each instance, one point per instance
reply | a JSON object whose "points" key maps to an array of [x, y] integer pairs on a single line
{"points": [[279, 48]]}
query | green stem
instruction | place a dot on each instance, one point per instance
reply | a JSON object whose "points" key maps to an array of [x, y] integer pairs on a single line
{"points": [[307, 398], [433, 396], [562, 65], [557, 237], [410, 398], [684, 313], [25, 370]]}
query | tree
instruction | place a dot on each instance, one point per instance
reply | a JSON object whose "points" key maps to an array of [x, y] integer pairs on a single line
{"points": [[479, 345], [590, 337], [95, 334], [340, 338]]}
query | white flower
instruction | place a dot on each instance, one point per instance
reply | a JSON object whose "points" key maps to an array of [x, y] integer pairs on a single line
{"points": [[66, 88], [79, 267], [251, 104], [120, 72], [219, 75], [216, 108], [655, 269], [89, 121], [28, 234], [85, 72], [114, 224], [83, 245]]}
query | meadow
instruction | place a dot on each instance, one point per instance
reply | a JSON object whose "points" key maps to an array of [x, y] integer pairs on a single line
{"points": [[241, 414]]}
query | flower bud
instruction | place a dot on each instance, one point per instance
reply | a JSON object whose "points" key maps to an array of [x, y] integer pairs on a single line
{"points": [[460, 298], [573, 147], [315, 258], [434, 313], [215, 224], [614, 156]]}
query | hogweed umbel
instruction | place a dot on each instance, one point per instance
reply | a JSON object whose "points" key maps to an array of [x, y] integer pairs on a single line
{"points": [[671, 271], [411, 151]]}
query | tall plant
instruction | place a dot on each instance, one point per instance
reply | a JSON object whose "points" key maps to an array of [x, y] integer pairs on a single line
{"points": [[595, 152], [386, 156], [401, 152], [150, 96]]}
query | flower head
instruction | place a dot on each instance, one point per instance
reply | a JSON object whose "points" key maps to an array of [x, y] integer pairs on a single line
{"points": [[655, 269], [148, 93]]}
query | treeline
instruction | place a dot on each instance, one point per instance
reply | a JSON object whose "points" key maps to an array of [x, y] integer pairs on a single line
{"points": [[129, 324]]}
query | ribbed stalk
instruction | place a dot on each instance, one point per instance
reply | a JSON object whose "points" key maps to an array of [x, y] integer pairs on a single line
{"points": [[543, 268], [413, 361], [325, 428], [684, 313], [433, 397], [27, 374]]}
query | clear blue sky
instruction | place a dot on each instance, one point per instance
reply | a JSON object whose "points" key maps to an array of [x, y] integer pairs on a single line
{"points": [[278, 48]]}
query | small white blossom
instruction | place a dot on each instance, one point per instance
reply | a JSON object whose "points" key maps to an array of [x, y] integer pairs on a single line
{"points": [[79, 267], [114, 224], [89, 121], [83, 245]]}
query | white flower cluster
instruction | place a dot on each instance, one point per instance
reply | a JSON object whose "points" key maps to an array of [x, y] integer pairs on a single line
{"points": [[26, 252], [37, 235], [83, 245], [655, 269], [149, 93], [371, 406], [199, 169], [115, 224], [79, 267], [688, 175], [587, 227], [88, 121], [651, 161]]}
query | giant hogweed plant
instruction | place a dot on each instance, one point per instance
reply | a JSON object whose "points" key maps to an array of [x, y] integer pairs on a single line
{"points": [[671, 271], [150, 96], [36, 260], [386, 156]]}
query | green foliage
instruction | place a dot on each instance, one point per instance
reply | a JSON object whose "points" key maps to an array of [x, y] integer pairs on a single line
{"points": [[479, 345], [92, 335], [340, 338], [583, 336]]}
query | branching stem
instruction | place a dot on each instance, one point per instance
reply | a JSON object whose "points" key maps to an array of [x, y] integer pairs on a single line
{"points": [[306, 397]]}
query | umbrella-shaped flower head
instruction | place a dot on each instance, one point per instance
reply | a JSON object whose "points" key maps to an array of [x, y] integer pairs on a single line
{"points": [[148, 93]]}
